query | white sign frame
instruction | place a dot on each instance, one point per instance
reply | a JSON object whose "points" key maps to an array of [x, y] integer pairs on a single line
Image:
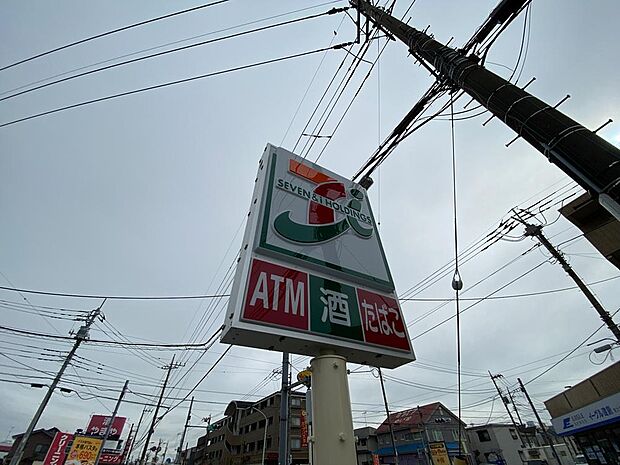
{"points": [[240, 331]]}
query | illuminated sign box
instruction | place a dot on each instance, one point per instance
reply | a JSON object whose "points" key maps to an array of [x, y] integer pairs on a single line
{"points": [[312, 275]]}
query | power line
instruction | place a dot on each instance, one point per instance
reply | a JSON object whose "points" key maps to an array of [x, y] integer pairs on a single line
{"points": [[113, 297], [171, 83], [114, 31], [187, 39], [97, 341], [522, 275], [569, 353], [174, 50], [510, 296]]}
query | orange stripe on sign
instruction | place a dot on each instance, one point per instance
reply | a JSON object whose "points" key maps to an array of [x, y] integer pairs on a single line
{"points": [[308, 173]]}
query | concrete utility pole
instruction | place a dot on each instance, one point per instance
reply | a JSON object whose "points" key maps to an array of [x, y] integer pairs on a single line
{"points": [[130, 440], [144, 410], [107, 431], [81, 336], [505, 402], [580, 153], [189, 417], [387, 413], [157, 451], [163, 460], [527, 438], [334, 441], [536, 231], [169, 367], [425, 439], [542, 426], [284, 394]]}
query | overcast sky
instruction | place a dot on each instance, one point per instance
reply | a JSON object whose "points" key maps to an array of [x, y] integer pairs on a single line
{"points": [[147, 195]]}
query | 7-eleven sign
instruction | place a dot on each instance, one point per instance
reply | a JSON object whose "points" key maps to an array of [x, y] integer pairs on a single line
{"points": [[312, 272]]}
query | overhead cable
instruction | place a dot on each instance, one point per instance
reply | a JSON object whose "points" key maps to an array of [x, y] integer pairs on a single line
{"points": [[174, 50], [172, 83], [113, 31]]}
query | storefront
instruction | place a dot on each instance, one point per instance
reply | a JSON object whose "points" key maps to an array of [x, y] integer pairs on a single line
{"points": [[590, 413]]}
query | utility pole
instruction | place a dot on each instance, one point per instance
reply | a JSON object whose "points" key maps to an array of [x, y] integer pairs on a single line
{"points": [[81, 336], [536, 231], [130, 439], [587, 158], [505, 402], [169, 367], [542, 426], [284, 394], [527, 438], [387, 412], [425, 439], [157, 451], [189, 417], [163, 460], [144, 410], [107, 431]]}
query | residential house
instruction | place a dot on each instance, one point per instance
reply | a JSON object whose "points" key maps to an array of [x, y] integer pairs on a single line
{"points": [[415, 428], [39, 442], [503, 444]]}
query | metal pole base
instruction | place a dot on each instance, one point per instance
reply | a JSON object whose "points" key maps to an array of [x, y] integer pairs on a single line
{"points": [[332, 421]]}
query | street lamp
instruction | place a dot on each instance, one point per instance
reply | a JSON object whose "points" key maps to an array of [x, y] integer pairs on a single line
{"points": [[265, 433]]}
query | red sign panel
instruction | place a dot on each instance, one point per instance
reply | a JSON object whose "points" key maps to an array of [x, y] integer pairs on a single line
{"points": [[277, 295], [99, 424], [292, 299], [57, 452], [303, 429], [114, 459], [383, 323]]}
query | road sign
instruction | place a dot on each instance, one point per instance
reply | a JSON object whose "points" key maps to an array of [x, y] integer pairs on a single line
{"points": [[312, 273]]}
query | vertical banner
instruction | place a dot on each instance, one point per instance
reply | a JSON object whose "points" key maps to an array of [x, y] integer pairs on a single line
{"points": [[375, 459], [303, 429], [57, 452], [439, 453], [84, 451]]}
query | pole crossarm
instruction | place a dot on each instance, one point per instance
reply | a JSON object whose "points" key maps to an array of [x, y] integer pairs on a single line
{"points": [[584, 156]]}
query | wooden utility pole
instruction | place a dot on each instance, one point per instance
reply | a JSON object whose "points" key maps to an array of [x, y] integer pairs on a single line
{"points": [[587, 158]]}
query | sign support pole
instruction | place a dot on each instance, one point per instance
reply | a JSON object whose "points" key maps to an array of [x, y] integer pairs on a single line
{"points": [[332, 421], [283, 440]]}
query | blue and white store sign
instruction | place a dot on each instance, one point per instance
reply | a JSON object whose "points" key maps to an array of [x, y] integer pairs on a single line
{"points": [[599, 413]]}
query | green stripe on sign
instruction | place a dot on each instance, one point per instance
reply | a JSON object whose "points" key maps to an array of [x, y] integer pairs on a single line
{"points": [[334, 310]]}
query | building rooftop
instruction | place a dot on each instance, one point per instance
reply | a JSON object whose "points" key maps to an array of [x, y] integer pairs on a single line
{"points": [[50, 432], [414, 417]]}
